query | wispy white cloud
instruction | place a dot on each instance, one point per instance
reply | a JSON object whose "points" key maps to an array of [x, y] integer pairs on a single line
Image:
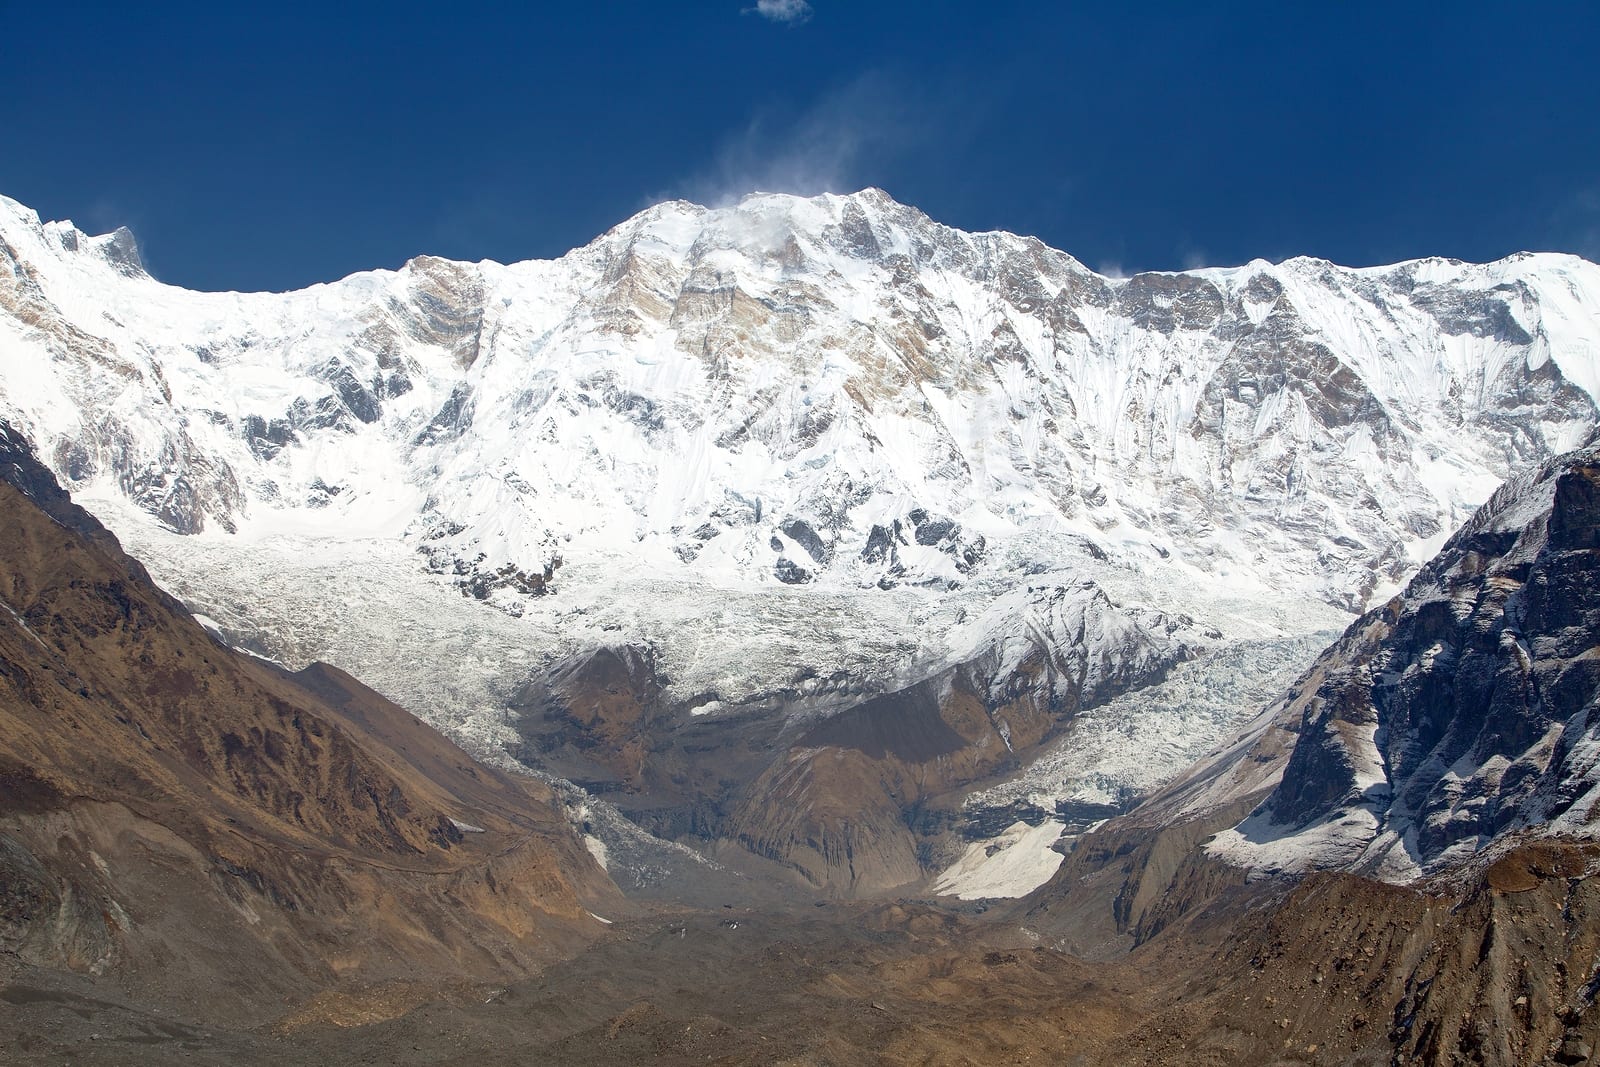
{"points": [[1586, 228], [1572, 226], [105, 215], [789, 12], [843, 142]]}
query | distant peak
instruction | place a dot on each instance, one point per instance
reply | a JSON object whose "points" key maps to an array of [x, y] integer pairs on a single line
{"points": [[121, 250], [18, 210], [873, 193]]}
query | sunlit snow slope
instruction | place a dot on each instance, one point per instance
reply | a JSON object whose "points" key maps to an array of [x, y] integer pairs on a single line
{"points": [[807, 449]]}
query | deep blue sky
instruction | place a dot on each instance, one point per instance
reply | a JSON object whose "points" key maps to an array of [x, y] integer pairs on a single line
{"points": [[273, 147]]}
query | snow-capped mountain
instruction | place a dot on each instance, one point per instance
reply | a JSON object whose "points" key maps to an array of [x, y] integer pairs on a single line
{"points": [[807, 452], [795, 390]]}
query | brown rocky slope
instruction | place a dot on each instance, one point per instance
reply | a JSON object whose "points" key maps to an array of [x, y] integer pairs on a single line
{"points": [[209, 830], [856, 800]]}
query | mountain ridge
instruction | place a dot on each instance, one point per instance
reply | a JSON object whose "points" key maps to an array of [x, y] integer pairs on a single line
{"points": [[805, 452], [775, 219]]}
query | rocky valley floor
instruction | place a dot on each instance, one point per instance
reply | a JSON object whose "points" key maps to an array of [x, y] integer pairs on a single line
{"points": [[1335, 970]]}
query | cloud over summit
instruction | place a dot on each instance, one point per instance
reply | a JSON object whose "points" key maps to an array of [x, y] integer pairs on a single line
{"points": [[790, 12]]}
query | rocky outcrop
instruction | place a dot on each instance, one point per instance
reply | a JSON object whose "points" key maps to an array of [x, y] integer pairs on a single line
{"points": [[1498, 969], [1468, 707], [595, 718]]}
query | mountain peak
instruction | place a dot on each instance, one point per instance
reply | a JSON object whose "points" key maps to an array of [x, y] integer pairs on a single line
{"points": [[121, 250], [118, 249]]}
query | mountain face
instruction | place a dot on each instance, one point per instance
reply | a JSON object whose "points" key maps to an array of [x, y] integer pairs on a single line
{"points": [[200, 826], [1466, 709], [834, 390], [828, 479]]}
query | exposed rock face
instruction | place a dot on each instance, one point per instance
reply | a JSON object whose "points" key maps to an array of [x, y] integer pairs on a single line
{"points": [[1448, 740], [1463, 709], [176, 815], [1448, 729], [845, 799], [592, 717]]}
